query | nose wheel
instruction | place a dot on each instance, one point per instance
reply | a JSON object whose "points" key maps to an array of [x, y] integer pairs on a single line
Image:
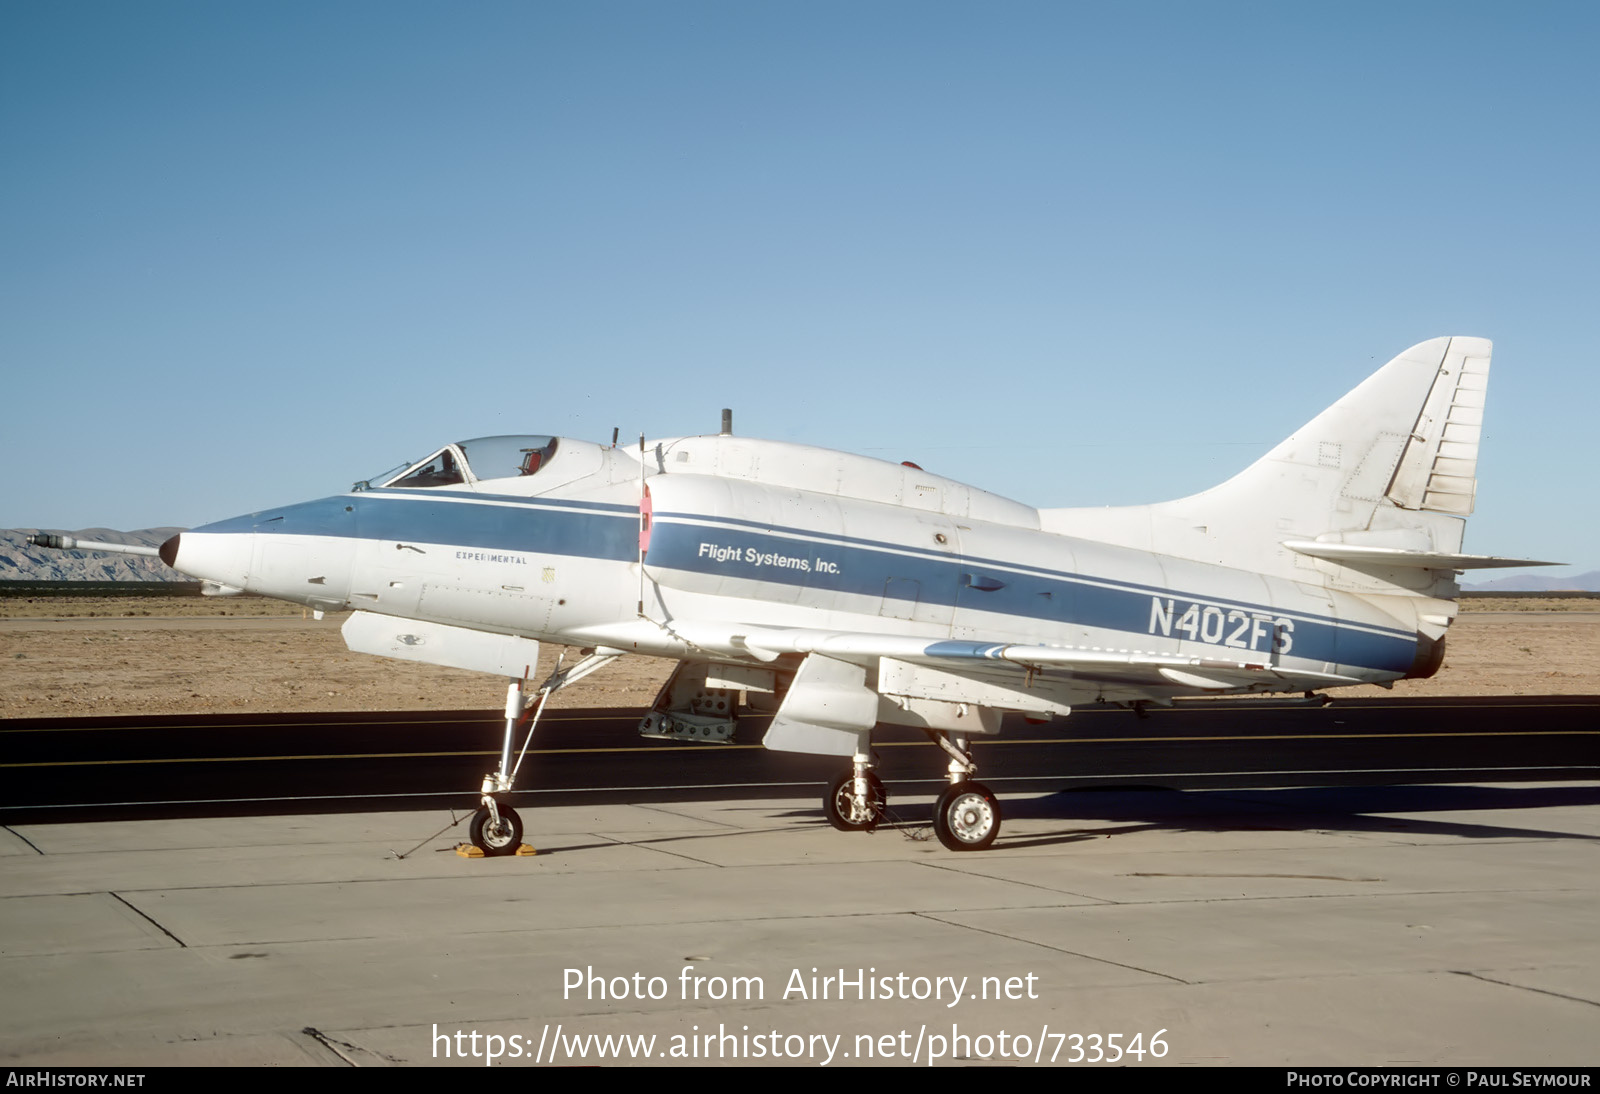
{"points": [[966, 817], [497, 835]]}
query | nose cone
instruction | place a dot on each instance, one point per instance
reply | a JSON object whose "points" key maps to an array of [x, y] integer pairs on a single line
{"points": [[301, 553], [223, 557]]}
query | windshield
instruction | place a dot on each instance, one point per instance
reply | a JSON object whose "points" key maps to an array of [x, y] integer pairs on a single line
{"points": [[441, 469], [381, 477]]}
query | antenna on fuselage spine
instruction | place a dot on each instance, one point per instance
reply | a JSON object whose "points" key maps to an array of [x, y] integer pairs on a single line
{"points": [[727, 421]]}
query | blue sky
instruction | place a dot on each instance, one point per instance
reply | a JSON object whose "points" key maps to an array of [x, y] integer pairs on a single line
{"points": [[1075, 254]]}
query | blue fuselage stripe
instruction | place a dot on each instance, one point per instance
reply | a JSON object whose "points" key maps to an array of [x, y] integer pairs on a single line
{"points": [[542, 526], [938, 584], [1008, 567]]}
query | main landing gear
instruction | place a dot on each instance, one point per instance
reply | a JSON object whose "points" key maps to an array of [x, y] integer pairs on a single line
{"points": [[496, 827], [856, 800], [966, 816]]}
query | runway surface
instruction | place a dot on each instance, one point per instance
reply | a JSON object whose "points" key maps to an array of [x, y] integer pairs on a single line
{"points": [[1414, 926], [144, 767], [1376, 882]]}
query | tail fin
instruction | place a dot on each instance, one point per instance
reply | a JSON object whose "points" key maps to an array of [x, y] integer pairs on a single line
{"points": [[1370, 495]]}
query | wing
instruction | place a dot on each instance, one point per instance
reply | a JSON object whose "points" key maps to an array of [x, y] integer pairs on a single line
{"points": [[848, 681], [1008, 659]]}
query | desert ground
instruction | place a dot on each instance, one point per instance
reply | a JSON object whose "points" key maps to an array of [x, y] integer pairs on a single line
{"points": [[72, 657]]}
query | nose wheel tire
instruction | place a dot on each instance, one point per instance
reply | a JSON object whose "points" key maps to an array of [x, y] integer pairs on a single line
{"points": [[493, 839], [848, 814], [966, 817]]}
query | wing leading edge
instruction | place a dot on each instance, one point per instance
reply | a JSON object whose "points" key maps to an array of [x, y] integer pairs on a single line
{"points": [[847, 682], [1039, 666]]}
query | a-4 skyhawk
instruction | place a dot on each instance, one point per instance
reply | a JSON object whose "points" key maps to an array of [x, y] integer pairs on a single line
{"points": [[838, 592]]}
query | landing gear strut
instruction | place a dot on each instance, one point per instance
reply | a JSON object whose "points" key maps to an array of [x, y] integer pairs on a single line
{"points": [[496, 828], [966, 816], [856, 800]]}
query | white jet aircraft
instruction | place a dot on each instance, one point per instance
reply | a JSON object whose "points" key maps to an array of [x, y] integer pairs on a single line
{"points": [[838, 592]]}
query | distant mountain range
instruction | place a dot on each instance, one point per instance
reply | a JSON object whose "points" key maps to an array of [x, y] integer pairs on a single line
{"points": [[1528, 583], [21, 562]]}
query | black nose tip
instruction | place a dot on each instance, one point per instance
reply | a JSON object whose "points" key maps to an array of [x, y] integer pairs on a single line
{"points": [[169, 552]]}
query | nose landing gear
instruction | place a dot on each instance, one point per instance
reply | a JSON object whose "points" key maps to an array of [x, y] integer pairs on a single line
{"points": [[496, 828]]}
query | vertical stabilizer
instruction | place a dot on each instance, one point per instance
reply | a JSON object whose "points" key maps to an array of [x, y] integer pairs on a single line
{"points": [[1391, 465]]}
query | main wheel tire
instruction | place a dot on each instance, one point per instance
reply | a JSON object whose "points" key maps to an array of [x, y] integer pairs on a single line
{"points": [[839, 803], [966, 817], [494, 840]]}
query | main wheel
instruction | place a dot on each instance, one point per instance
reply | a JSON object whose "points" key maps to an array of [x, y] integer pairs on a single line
{"points": [[845, 812], [966, 817], [493, 839]]}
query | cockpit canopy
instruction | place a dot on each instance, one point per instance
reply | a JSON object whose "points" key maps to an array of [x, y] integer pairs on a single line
{"points": [[476, 460]]}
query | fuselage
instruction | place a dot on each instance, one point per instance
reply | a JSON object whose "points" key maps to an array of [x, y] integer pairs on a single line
{"points": [[744, 532]]}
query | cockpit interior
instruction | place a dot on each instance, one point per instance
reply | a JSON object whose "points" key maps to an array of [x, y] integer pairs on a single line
{"points": [[516, 465], [476, 460]]}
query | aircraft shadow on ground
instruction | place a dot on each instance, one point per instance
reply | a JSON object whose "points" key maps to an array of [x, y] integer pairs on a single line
{"points": [[1154, 809], [1366, 809], [1147, 809]]}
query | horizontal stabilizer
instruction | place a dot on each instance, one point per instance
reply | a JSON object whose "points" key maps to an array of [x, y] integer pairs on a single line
{"points": [[1357, 555]]}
